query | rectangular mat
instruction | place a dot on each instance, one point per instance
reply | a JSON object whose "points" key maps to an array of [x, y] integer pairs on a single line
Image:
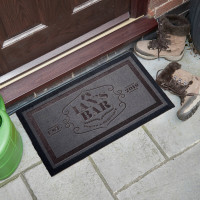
{"points": [[91, 111]]}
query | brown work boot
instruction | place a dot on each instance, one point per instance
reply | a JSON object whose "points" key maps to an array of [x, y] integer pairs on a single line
{"points": [[183, 84], [170, 42]]}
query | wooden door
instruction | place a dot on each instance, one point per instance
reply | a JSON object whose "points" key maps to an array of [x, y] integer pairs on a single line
{"points": [[31, 28]]}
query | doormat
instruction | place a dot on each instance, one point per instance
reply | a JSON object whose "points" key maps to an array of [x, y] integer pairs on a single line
{"points": [[92, 111]]}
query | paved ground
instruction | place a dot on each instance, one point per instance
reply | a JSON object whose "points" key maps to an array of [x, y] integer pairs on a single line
{"points": [[158, 161]]}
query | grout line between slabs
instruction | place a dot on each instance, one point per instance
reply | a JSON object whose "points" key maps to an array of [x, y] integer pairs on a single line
{"points": [[155, 142], [28, 187], [8, 180], [102, 178], [155, 168]]}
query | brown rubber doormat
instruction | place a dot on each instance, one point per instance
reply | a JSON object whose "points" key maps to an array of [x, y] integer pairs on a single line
{"points": [[92, 111]]}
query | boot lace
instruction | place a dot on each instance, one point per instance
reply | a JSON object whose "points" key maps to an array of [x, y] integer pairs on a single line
{"points": [[177, 86], [162, 42]]}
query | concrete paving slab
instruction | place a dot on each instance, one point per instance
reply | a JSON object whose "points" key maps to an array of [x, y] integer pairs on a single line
{"points": [[79, 181], [127, 158], [177, 179], [15, 190]]}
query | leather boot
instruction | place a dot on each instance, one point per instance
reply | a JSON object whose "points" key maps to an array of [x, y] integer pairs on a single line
{"points": [[183, 84], [170, 42]]}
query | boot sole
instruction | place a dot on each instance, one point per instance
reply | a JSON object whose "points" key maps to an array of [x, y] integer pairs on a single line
{"points": [[170, 58], [194, 109]]}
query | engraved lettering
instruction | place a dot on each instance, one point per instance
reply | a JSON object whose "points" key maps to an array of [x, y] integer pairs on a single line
{"points": [[104, 105], [83, 107], [76, 110], [55, 129], [96, 110], [131, 88], [103, 95], [86, 115]]}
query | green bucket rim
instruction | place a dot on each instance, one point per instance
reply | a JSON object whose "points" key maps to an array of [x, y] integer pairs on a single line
{"points": [[11, 146]]}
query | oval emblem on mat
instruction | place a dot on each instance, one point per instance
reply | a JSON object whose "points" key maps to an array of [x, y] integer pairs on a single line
{"points": [[93, 109]]}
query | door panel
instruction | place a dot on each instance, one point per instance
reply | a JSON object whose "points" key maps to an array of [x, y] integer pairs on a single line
{"points": [[3, 64], [121, 7], [18, 16], [61, 25], [51, 11], [3, 34]]}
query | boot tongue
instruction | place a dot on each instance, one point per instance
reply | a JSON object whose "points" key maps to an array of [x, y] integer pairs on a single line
{"points": [[161, 43], [186, 77]]}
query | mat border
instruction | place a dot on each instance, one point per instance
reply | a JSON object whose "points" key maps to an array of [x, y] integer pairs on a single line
{"points": [[54, 171], [109, 70]]}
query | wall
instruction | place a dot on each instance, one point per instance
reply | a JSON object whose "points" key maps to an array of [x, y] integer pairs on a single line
{"points": [[158, 7]]}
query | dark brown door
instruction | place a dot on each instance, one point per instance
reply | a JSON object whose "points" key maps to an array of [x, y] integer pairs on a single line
{"points": [[31, 28]]}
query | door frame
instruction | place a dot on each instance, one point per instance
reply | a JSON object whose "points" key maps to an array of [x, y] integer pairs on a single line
{"points": [[138, 9], [48, 75]]}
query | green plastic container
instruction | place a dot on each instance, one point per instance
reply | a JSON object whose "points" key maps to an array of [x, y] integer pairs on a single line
{"points": [[11, 147]]}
